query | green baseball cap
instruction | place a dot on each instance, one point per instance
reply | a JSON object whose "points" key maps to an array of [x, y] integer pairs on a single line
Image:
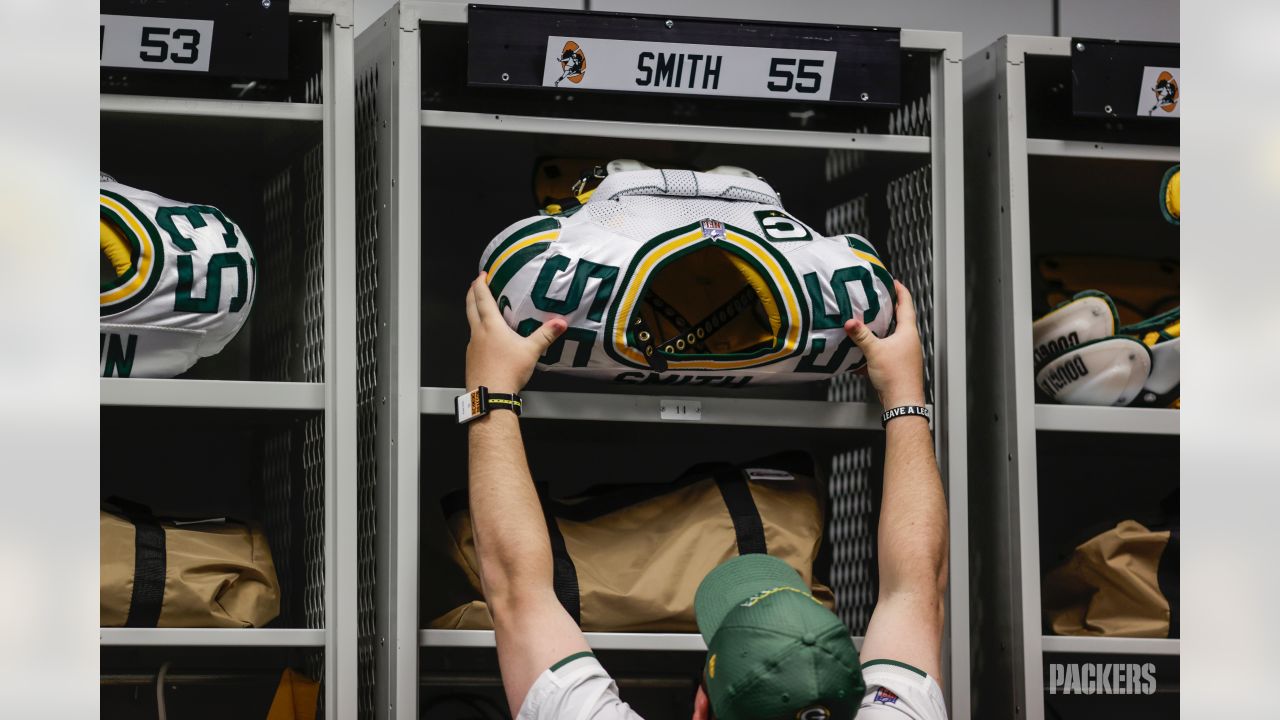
{"points": [[773, 651]]}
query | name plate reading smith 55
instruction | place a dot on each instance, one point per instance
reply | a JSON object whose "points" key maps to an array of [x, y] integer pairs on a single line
{"points": [[731, 70], [613, 52]]}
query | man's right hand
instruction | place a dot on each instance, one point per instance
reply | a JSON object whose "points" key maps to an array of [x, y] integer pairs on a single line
{"points": [[497, 356], [894, 363]]}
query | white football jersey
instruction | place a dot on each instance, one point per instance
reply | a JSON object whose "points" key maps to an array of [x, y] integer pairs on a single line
{"points": [[675, 276], [179, 282]]}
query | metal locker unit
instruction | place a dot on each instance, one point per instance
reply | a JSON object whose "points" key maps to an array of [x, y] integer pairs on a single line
{"points": [[443, 167], [265, 430], [1050, 171]]}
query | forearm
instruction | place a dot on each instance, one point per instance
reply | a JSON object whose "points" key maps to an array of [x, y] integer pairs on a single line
{"points": [[913, 512], [512, 544]]}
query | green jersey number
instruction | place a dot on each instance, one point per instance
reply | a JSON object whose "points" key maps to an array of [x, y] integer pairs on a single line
{"points": [[185, 300]]}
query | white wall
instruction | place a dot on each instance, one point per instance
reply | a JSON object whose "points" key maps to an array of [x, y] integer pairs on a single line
{"points": [[1155, 20], [981, 21]]}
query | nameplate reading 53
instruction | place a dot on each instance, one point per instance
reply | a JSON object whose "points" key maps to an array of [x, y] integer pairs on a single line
{"points": [[155, 43]]}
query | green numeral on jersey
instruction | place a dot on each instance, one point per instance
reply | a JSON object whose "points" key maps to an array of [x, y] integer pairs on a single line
{"points": [[822, 320], [585, 270], [184, 301]]}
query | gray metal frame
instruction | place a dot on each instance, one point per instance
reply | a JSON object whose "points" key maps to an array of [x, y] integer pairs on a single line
{"points": [[335, 397], [388, 54], [1008, 643]]}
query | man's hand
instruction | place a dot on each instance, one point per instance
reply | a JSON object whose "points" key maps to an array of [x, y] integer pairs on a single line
{"points": [[895, 363], [497, 357]]}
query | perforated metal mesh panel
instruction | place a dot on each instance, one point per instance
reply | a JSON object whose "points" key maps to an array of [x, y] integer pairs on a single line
{"points": [[908, 249], [912, 118], [288, 346], [313, 371], [367, 380], [851, 530]]}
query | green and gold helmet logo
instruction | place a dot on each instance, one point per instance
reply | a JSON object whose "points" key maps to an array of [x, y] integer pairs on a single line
{"points": [[815, 712]]}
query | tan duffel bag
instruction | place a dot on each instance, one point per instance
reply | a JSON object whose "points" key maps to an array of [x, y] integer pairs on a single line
{"points": [[629, 558], [167, 573], [1122, 582]]}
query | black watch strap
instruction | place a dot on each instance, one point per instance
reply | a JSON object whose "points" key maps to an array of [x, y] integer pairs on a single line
{"points": [[505, 401], [478, 403]]}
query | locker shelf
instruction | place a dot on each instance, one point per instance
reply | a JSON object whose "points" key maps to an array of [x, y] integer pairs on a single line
{"points": [[196, 107], [1111, 646], [225, 394], [1102, 150], [616, 407], [212, 637], [675, 133], [1084, 418], [691, 642]]}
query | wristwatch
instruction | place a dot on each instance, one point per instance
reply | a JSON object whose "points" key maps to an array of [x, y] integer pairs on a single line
{"points": [[479, 402]]}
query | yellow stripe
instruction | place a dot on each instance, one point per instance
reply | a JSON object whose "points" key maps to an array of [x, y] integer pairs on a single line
{"points": [[771, 265], [629, 298], [145, 258], [869, 258], [506, 255]]}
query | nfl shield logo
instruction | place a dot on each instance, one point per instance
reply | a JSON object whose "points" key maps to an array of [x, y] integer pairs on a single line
{"points": [[885, 696], [713, 229]]}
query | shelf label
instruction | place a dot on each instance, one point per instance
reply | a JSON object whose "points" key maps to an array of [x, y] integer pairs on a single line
{"points": [[574, 51], [681, 68], [155, 43], [252, 38], [1125, 79], [680, 410]]}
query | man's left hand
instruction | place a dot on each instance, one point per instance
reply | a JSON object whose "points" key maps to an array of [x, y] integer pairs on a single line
{"points": [[497, 356]]}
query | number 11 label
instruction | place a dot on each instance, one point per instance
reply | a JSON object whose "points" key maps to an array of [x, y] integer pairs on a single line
{"points": [[155, 43]]}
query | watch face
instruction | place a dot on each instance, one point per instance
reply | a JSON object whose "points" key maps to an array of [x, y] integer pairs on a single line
{"points": [[469, 406]]}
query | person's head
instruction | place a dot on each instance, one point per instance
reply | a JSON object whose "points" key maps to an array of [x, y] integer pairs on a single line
{"points": [[773, 651]]}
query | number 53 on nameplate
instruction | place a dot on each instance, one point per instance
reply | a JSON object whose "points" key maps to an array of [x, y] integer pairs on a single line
{"points": [[155, 43]]}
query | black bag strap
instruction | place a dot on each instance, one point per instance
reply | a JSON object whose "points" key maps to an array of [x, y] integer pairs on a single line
{"points": [[1167, 577], [149, 564], [564, 573], [747, 524]]}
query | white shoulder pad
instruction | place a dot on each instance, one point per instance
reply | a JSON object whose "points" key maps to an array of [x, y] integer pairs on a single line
{"points": [[1110, 372], [1089, 315]]}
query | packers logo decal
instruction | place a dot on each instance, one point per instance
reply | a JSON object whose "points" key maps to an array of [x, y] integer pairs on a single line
{"points": [[1166, 92], [816, 712], [145, 249], [573, 63]]}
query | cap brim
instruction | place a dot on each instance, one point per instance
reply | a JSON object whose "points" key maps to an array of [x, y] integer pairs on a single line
{"points": [[733, 582]]}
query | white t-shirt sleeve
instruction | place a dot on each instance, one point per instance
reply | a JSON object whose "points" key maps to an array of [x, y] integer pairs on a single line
{"points": [[576, 688], [897, 691]]}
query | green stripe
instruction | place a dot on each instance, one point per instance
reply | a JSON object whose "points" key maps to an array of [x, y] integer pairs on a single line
{"points": [[528, 230], [912, 668], [513, 265], [571, 658]]}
